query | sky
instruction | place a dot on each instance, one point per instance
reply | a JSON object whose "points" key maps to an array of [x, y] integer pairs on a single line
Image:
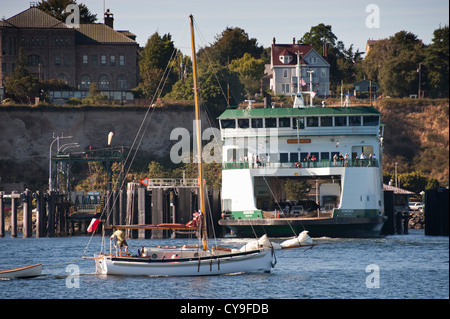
{"points": [[352, 21]]}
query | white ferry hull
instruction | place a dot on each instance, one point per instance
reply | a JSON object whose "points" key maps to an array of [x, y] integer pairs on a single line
{"points": [[247, 262]]}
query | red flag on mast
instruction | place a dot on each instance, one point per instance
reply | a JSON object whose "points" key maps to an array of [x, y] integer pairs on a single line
{"points": [[93, 225]]}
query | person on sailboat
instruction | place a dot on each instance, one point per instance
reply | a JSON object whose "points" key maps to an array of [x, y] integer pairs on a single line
{"points": [[119, 236]]}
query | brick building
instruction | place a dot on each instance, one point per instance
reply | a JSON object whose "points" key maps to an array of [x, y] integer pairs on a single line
{"points": [[80, 56]]}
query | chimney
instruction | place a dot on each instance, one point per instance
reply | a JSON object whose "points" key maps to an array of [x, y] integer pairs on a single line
{"points": [[293, 40], [325, 51], [273, 40], [109, 19]]}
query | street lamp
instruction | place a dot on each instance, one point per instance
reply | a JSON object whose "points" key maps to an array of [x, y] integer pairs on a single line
{"points": [[50, 157]]}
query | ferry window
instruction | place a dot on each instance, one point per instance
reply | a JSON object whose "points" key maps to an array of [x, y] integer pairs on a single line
{"points": [[271, 122], [300, 121], [312, 121], [335, 153], [340, 121], [243, 123], [371, 120], [315, 155], [284, 122], [324, 156], [256, 123], [294, 157], [326, 121], [354, 120], [303, 157], [231, 123], [284, 157]]}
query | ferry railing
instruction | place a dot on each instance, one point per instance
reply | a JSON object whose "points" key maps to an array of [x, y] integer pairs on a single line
{"points": [[355, 162]]}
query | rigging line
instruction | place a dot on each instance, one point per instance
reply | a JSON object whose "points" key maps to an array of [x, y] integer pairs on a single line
{"points": [[210, 63], [150, 107], [273, 195]]}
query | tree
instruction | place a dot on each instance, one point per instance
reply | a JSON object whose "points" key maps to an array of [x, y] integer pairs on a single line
{"points": [[250, 72], [56, 8], [20, 85], [344, 63], [231, 44], [436, 63], [393, 63], [153, 62]]}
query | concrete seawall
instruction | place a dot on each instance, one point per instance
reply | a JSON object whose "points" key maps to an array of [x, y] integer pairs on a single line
{"points": [[26, 133]]}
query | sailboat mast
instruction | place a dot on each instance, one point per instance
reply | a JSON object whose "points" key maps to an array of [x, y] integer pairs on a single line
{"points": [[199, 140]]}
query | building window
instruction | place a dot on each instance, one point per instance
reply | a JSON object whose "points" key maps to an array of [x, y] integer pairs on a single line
{"points": [[285, 88], [354, 120], [103, 82], [271, 122], [38, 41], [34, 60], [326, 121], [121, 60], [285, 73], [323, 72], [85, 59], [257, 123], [103, 60], [63, 77], [112, 60], [67, 41], [85, 82], [56, 41], [340, 121], [94, 61], [284, 121], [4, 67], [312, 121], [42, 41], [57, 59], [122, 83], [300, 122]]}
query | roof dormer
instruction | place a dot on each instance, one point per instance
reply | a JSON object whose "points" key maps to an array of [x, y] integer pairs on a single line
{"points": [[285, 57]]}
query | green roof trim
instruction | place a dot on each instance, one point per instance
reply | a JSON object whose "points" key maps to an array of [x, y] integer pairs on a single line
{"points": [[296, 112]]}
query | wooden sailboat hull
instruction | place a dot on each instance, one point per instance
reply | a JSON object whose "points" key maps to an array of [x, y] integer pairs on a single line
{"points": [[244, 262], [22, 272]]}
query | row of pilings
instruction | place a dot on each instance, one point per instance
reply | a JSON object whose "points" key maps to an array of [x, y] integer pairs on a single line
{"points": [[54, 215]]}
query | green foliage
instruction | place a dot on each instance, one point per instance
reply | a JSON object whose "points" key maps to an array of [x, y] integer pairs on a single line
{"points": [[345, 64], [94, 97], [250, 72], [296, 189], [20, 85], [436, 63], [56, 8], [153, 62], [417, 182], [231, 44]]}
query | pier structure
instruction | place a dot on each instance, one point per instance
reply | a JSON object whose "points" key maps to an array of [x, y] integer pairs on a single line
{"points": [[163, 201]]}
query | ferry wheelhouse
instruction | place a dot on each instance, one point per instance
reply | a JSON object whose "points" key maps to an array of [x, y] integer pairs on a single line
{"points": [[338, 150]]}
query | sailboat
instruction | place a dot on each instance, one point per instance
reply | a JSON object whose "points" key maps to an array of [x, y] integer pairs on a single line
{"points": [[188, 260]]}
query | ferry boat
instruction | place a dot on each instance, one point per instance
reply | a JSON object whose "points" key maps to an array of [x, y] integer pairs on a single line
{"points": [[336, 150]]}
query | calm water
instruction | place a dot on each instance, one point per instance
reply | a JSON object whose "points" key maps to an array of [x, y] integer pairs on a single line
{"points": [[409, 266]]}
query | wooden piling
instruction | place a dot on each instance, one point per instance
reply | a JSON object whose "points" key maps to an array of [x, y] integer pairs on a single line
{"points": [[157, 211], [143, 217], [132, 209], [437, 212], [50, 213], [13, 215], [2, 216], [27, 226], [40, 215]]}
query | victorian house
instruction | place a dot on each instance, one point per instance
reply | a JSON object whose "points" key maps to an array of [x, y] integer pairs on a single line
{"points": [[283, 68]]}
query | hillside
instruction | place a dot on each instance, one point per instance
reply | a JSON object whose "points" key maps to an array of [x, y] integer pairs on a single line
{"points": [[416, 136]]}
